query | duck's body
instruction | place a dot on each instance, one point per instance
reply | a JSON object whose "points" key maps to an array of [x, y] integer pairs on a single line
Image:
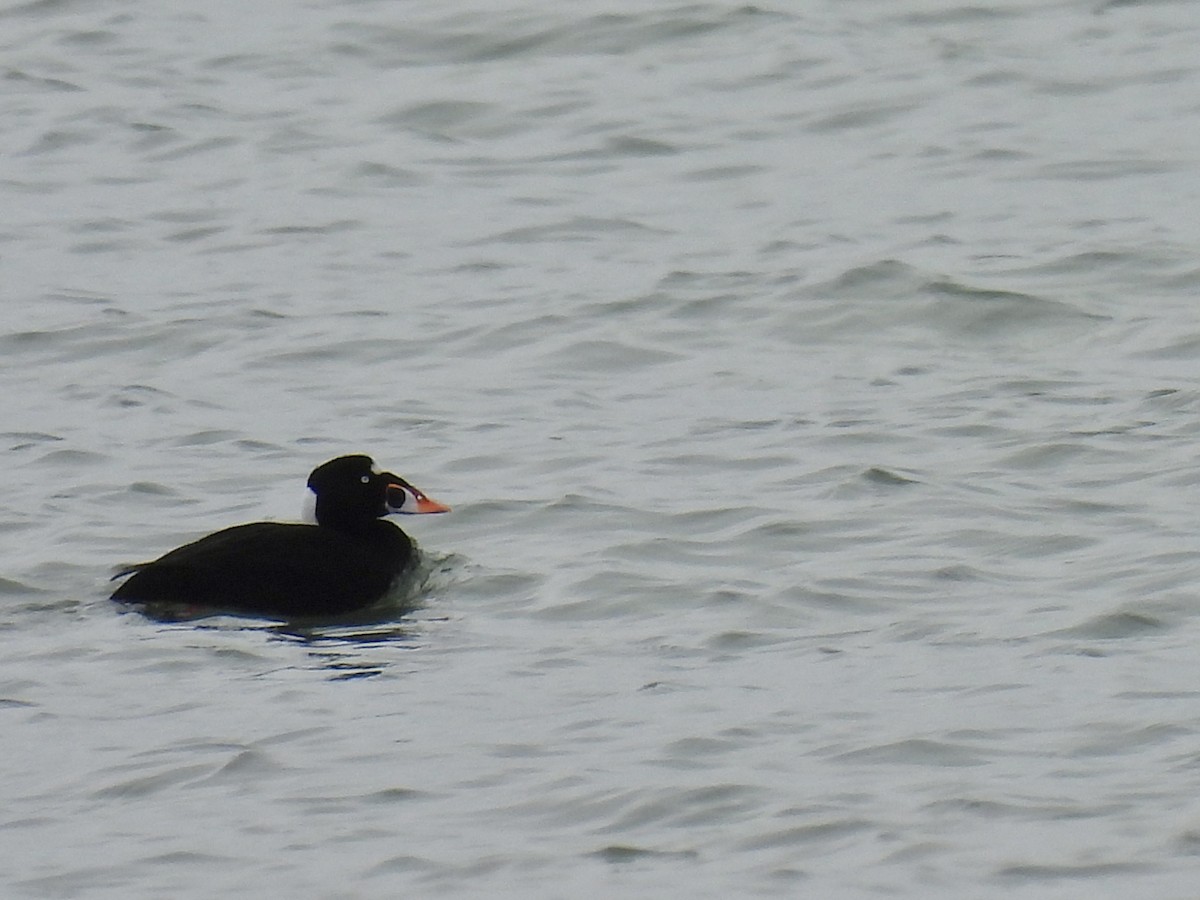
{"points": [[346, 561]]}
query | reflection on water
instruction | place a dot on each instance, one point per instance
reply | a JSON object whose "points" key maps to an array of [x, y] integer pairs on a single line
{"points": [[344, 650]]}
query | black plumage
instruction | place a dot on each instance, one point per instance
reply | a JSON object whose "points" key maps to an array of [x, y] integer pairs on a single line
{"points": [[346, 561]]}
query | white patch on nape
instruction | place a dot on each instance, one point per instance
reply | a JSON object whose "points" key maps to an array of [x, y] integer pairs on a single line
{"points": [[308, 507]]}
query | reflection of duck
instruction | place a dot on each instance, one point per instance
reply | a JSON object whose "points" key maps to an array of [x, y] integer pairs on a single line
{"points": [[347, 560]]}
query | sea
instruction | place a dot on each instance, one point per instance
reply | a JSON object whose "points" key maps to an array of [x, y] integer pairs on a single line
{"points": [[816, 386]]}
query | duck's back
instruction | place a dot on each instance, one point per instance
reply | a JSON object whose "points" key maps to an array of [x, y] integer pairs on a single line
{"points": [[269, 567]]}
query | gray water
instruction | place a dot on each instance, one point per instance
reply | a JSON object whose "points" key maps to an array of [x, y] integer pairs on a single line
{"points": [[815, 386]]}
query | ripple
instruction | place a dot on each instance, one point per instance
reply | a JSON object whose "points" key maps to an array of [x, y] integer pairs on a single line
{"points": [[1042, 873], [801, 835], [624, 853], [915, 752], [1116, 626]]}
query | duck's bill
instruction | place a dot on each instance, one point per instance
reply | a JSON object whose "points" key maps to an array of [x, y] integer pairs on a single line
{"points": [[429, 505], [405, 499]]}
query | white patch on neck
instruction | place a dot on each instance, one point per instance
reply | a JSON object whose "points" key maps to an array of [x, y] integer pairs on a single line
{"points": [[308, 507]]}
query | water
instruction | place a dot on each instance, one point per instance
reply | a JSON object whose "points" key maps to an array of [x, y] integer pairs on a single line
{"points": [[815, 389]]}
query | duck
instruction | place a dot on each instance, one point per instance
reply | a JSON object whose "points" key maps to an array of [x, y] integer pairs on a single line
{"points": [[344, 558]]}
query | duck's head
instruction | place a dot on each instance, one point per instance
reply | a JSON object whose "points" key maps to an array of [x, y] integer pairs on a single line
{"points": [[351, 491]]}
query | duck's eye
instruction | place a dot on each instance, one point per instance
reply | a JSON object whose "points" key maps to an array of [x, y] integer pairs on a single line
{"points": [[366, 479]]}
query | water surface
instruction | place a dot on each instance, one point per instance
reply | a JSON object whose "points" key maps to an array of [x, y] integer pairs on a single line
{"points": [[815, 390]]}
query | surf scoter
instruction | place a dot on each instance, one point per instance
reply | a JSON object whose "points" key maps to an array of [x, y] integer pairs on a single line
{"points": [[345, 561]]}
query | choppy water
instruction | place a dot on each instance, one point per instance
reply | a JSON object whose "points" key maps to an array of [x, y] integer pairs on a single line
{"points": [[815, 385]]}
